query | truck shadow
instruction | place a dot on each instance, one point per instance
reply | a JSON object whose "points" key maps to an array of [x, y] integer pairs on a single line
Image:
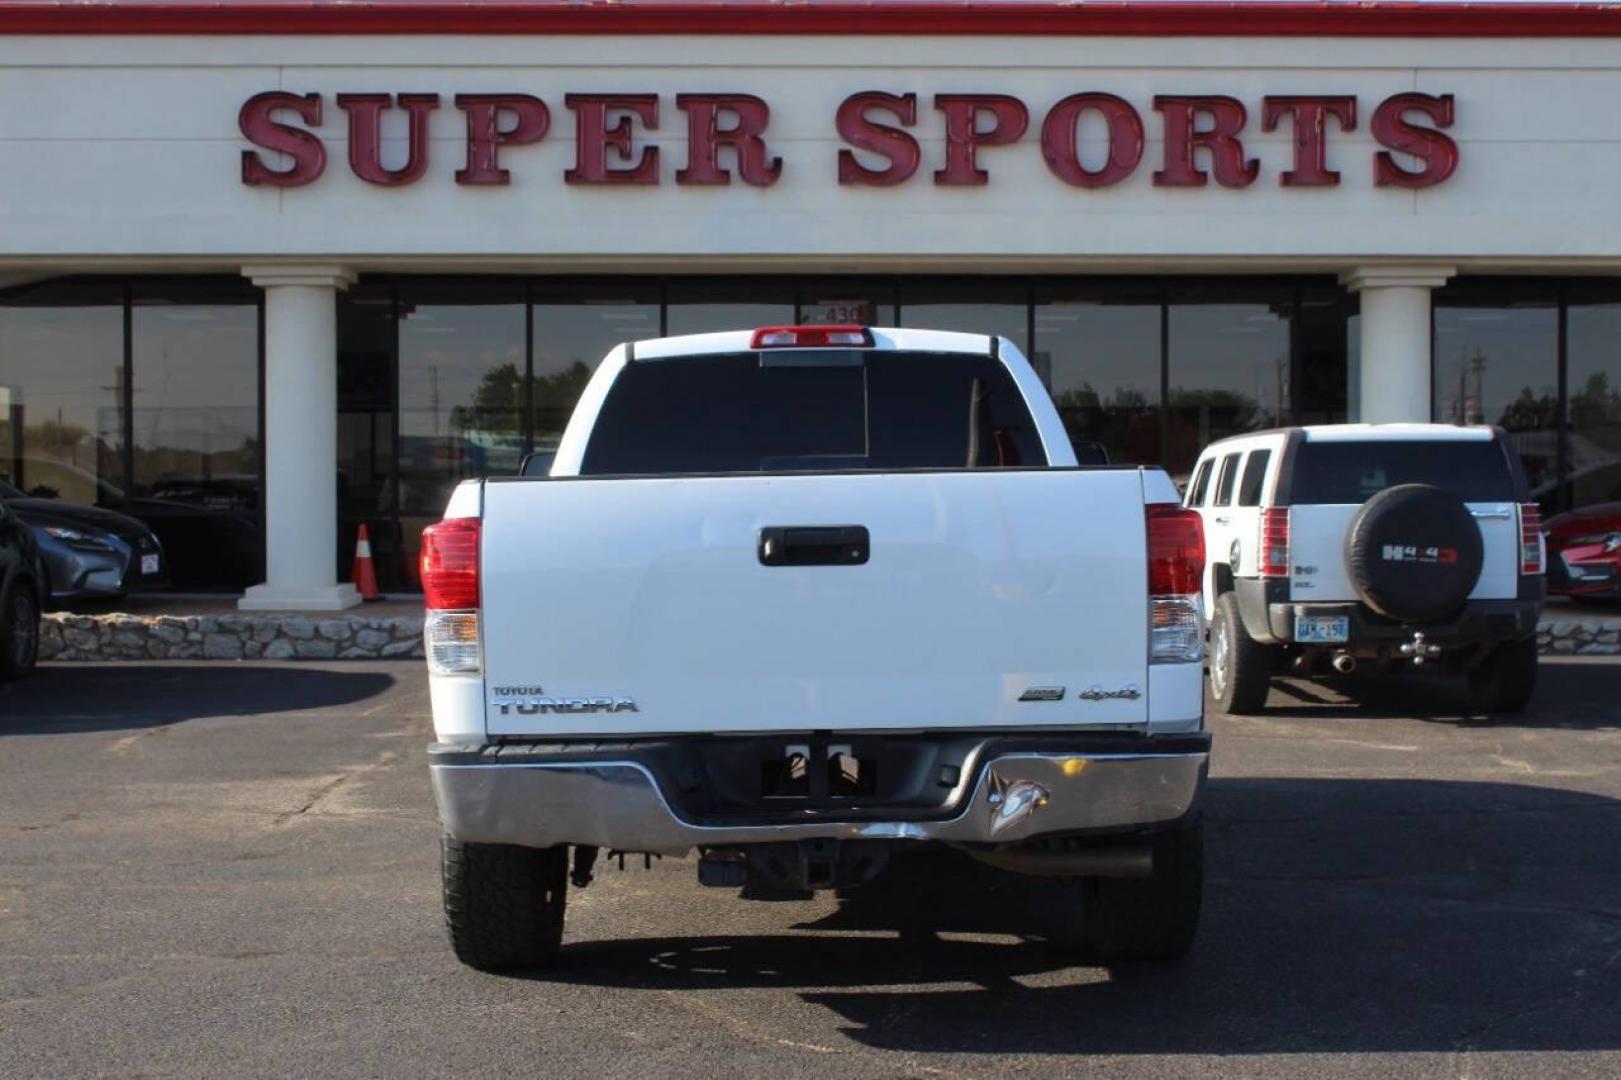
{"points": [[69, 698], [1571, 695], [1340, 916]]}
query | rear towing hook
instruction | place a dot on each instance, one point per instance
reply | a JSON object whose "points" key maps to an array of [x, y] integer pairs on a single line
{"points": [[1419, 649]]}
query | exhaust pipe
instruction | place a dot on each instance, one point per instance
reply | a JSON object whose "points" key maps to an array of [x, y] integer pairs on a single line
{"points": [[1344, 663]]}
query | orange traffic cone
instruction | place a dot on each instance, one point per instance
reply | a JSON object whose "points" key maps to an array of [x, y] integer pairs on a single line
{"points": [[364, 574]]}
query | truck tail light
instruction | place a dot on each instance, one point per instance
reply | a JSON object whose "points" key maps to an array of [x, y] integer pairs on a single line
{"points": [[1533, 554], [1274, 561], [1175, 579], [811, 337], [450, 590]]}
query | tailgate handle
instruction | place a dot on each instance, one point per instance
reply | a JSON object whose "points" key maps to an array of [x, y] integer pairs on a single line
{"points": [[814, 545]]}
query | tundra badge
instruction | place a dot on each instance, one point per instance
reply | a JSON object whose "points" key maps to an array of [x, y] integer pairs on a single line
{"points": [[530, 700]]}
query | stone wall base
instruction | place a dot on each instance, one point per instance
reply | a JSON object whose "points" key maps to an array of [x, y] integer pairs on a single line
{"points": [[65, 636], [1564, 636]]}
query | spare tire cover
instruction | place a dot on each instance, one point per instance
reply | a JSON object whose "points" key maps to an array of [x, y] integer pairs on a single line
{"points": [[1413, 553]]}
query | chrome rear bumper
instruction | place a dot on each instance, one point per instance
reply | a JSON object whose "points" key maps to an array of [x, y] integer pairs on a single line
{"points": [[618, 805]]}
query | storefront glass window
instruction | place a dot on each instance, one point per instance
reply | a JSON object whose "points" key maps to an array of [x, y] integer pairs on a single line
{"points": [[1496, 361], [460, 388], [867, 301], [441, 379], [740, 304], [462, 359], [570, 338], [367, 491], [1101, 361], [1000, 308], [1324, 337], [1229, 373], [1353, 368], [1593, 389], [62, 392], [195, 422]]}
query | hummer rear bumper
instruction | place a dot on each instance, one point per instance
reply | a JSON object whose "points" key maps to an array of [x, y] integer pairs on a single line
{"points": [[1269, 616]]}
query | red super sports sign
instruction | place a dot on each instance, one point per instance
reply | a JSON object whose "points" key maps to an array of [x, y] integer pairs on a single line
{"points": [[727, 136]]}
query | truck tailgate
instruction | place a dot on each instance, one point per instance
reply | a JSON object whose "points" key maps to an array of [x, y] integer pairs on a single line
{"points": [[629, 606]]}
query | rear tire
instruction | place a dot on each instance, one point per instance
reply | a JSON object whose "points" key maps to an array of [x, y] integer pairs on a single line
{"points": [[19, 632], [1240, 667], [1504, 681], [1151, 918], [504, 904]]}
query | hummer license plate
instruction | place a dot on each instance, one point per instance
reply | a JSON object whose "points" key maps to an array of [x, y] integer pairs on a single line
{"points": [[1322, 629]]}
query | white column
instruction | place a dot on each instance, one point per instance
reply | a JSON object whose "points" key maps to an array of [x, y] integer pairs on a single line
{"points": [[301, 440], [1393, 370]]}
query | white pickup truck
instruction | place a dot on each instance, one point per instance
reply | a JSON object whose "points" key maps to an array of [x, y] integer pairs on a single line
{"points": [[798, 598]]}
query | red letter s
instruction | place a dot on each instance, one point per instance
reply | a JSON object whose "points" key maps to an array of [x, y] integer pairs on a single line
{"points": [[899, 147], [258, 124], [1390, 127]]}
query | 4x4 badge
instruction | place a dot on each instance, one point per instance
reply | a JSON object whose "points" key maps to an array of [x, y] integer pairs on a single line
{"points": [[1097, 693]]}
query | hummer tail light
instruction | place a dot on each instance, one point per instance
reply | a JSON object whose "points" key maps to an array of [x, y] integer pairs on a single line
{"points": [[1274, 560], [1533, 554]]}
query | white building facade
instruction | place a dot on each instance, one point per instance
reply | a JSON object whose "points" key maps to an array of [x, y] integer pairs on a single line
{"points": [[272, 272]]}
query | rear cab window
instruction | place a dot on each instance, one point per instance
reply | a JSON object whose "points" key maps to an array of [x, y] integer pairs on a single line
{"points": [[812, 410], [1350, 473], [1229, 475]]}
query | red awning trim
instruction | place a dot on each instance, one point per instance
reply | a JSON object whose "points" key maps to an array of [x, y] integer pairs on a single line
{"points": [[909, 17]]}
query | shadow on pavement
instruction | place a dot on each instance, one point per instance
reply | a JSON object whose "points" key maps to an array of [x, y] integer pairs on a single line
{"points": [[67, 698], [1340, 915], [1570, 696]]}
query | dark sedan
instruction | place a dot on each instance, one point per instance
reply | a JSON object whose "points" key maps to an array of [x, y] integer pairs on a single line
{"points": [[87, 552], [19, 597], [1584, 552]]}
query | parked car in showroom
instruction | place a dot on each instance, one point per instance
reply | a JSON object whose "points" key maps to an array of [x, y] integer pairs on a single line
{"points": [[1584, 553], [87, 552], [202, 548], [1376, 545], [19, 596]]}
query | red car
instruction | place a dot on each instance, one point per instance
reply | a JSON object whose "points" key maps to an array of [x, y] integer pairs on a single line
{"points": [[1584, 552]]}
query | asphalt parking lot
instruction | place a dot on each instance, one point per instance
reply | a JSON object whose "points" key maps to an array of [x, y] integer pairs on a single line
{"points": [[210, 869]]}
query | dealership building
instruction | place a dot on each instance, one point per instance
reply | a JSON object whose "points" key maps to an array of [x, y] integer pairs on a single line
{"points": [[272, 271]]}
